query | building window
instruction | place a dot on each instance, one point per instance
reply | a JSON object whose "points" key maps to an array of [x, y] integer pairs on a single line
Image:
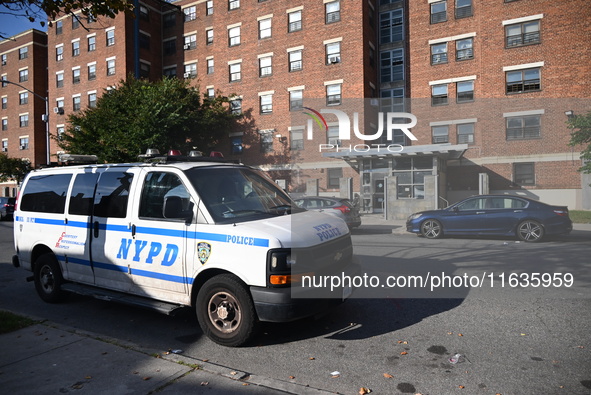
{"points": [[190, 70], [520, 34], [234, 36], [465, 133], [76, 48], [265, 28], [92, 100], [392, 100], [190, 42], [4, 127], [236, 106], [169, 20], [266, 104], [295, 60], [23, 120], [463, 8], [59, 27], [60, 130], [296, 136], [333, 95], [92, 71], [144, 13], [439, 53], [266, 141], [210, 93], [76, 103], [209, 7], [4, 84], [410, 173], [210, 67], [521, 81], [296, 100], [144, 41], [4, 58], [23, 75], [333, 11], [332, 136], [391, 26], [76, 76], [75, 22], [333, 53], [524, 174], [190, 13], [464, 49], [235, 72], [169, 47], [23, 143], [110, 37], [438, 12], [464, 91], [59, 53], [265, 66], [440, 134], [91, 43], [4, 103], [334, 178], [523, 127], [23, 53], [59, 103], [209, 36], [439, 95], [169, 72], [392, 65], [237, 147], [144, 70], [23, 98], [233, 4], [111, 67], [294, 21], [59, 80]]}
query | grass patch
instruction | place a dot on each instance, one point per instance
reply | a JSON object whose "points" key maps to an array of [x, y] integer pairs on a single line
{"points": [[580, 216], [10, 322]]}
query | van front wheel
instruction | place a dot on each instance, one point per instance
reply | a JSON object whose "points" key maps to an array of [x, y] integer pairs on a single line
{"points": [[226, 312], [48, 278]]}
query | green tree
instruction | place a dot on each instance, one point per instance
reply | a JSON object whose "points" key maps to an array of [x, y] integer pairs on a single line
{"points": [[13, 168], [42, 10], [581, 136], [139, 114]]}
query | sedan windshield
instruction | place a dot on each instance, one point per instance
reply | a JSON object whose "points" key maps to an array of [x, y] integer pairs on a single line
{"points": [[233, 194]]}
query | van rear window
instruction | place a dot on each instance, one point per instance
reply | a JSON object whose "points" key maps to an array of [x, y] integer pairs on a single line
{"points": [[46, 194]]}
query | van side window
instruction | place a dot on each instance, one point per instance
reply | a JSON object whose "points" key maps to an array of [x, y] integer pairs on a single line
{"points": [[82, 194], [46, 194], [157, 187], [112, 194]]}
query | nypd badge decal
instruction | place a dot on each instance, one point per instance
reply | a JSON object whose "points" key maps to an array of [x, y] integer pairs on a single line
{"points": [[203, 251]]}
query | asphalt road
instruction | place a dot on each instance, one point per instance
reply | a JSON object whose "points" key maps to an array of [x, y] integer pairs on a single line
{"points": [[512, 339]]}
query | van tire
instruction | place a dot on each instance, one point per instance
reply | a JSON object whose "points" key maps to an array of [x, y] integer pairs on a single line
{"points": [[225, 311], [48, 279]]}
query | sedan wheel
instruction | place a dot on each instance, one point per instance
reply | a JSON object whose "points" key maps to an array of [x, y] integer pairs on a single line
{"points": [[530, 230], [432, 229]]}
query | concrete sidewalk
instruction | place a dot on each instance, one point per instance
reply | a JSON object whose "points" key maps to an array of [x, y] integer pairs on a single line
{"points": [[49, 359]]}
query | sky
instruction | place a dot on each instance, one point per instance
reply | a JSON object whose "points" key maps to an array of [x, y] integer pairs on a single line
{"points": [[11, 25]]}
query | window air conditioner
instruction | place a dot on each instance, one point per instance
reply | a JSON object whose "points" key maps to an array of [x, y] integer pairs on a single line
{"points": [[4, 149], [187, 46], [58, 110], [23, 146], [334, 59], [187, 75]]}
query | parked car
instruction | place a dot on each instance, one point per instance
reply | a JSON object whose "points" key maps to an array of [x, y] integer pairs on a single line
{"points": [[6, 207], [500, 215], [340, 207]]}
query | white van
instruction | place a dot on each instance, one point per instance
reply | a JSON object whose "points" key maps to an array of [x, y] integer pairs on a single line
{"points": [[220, 237]]}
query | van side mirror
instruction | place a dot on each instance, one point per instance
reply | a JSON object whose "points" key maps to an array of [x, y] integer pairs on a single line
{"points": [[173, 209]]}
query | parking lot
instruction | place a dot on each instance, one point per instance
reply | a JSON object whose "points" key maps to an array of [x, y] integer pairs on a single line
{"points": [[513, 337]]}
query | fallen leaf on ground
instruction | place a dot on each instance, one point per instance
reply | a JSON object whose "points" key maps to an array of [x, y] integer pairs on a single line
{"points": [[364, 390], [388, 375], [403, 353]]}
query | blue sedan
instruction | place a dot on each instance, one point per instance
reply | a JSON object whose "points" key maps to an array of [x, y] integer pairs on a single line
{"points": [[498, 215]]}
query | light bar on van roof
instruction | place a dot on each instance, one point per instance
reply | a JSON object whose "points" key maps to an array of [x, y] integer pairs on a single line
{"points": [[72, 159]]}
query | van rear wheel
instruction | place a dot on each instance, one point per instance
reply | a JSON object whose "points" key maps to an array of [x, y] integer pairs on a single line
{"points": [[48, 279], [226, 312]]}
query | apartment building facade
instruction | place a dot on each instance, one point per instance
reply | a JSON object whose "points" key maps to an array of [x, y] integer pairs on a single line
{"points": [[23, 92], [488, 81]]}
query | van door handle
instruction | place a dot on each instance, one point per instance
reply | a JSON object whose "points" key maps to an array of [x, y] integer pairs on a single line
{"points": [[517, 211], [96, 229], [481, 212]]}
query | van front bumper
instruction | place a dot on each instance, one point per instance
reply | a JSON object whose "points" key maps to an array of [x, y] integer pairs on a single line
{"points": [[290, 304]]}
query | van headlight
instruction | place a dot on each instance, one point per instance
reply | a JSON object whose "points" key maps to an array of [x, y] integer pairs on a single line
{"points": [[280, 263]]}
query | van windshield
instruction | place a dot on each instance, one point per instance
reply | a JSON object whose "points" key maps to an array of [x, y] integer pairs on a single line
{"points": [[233, 194]]}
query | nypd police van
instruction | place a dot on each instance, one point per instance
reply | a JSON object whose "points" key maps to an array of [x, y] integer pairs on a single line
{"points": [[221, 238]]}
